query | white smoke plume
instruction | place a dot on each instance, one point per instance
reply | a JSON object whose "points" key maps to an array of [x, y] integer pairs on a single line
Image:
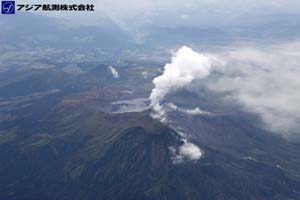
{"points": [[263, 80], [187, 151], [132, 105], [185, 67], [114, 72], [195, 111]]}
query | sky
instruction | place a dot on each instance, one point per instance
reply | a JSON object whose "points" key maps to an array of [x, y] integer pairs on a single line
{"points": [[138, 17], [176, 11]]}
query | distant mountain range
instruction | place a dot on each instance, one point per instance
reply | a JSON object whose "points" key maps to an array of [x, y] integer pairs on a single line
{"points": [[27, 31]]}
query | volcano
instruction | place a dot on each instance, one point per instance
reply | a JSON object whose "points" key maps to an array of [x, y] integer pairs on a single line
{"points": [[89, 154]]}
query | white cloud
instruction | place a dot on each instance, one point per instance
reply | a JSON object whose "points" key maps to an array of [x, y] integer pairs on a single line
{"points": [[187, 151], [114, 72], [195, 111], [186, 66], [263, 80]]}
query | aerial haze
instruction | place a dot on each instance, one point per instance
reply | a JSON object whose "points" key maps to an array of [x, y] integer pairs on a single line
{"points": [[151, 100]]}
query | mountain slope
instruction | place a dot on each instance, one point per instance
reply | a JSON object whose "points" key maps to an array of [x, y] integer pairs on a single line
{"points": [[92, 155]]}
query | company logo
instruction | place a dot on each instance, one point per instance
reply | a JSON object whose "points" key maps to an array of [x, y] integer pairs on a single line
{"points": [[8, 7]]}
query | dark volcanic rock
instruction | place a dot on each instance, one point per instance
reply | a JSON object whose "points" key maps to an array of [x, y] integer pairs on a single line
{"points": [[62, 148]]}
